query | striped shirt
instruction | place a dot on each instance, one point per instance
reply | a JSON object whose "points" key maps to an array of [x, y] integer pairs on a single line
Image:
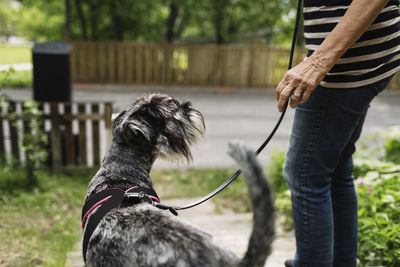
{"points": [[375, 56]]}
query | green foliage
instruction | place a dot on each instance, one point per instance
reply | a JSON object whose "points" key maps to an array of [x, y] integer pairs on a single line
{"points": [[275, 171], [40, 225], [379, 216], [392, 150], [41, 20], [223, 21], [8, 18], [15, 79], [34, 137], [282, 194]]}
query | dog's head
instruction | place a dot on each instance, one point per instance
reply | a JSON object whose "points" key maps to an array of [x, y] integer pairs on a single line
{"points": [[161, 125]]}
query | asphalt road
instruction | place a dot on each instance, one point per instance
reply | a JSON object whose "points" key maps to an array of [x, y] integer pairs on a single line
{"points": [[245, 114]]}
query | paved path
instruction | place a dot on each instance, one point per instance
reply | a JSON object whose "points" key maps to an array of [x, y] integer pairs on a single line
{"points": [[229, 229], [245, 114], [18, 66]]}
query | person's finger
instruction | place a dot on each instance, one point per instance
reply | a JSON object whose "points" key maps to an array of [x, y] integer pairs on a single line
{"points": [[297, 94], [307, 92], [293, 103], [305, 96], [295, 97], [279, 89], [284, 97]]}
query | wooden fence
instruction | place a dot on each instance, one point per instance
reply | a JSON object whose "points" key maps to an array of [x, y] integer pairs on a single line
{"points": [[205, 65], [183, 65], [79, 133]]}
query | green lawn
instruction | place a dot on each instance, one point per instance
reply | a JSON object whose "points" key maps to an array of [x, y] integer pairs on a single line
{"points": [[38, 226], [15, 54]]}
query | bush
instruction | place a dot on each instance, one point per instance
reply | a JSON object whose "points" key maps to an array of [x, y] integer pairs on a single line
{"points": [[377, 167], [278, 183], [275, 171], [379, 216], [16, 79]]}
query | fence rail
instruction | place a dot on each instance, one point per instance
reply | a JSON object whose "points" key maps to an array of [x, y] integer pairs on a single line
{"points": [[79, 133]]}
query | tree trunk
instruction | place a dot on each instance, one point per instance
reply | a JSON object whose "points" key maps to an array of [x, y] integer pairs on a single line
{"points": [[218, 28], [117, 23], [182, 23], [171, 20], [219, 9], [67, 27], [81, 18], [93, 21]]}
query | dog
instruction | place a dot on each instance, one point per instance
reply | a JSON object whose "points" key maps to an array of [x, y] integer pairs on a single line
{"points": [[140, 233]]}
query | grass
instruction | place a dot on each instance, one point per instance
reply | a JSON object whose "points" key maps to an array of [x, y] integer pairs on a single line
{"points": [[38, 226], [15, 54], [14, 79], [199, 182]]}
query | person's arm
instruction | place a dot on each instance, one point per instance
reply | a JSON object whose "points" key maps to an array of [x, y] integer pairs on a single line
{"points": [[305, 77]]}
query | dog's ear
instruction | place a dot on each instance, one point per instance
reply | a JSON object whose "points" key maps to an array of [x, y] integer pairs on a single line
{"points": [[134, 131]]}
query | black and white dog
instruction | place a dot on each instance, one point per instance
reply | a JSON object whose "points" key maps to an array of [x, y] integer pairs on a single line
{"points": [[135, 230]]}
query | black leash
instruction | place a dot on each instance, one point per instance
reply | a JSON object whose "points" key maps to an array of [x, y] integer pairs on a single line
{"points": [[261, 148]]}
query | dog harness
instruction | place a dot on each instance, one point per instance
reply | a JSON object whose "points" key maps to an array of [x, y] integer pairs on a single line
{"points": [[108, 199]]}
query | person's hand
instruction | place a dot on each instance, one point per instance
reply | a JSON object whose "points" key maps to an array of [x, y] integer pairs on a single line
{"points": [[300, 81]]}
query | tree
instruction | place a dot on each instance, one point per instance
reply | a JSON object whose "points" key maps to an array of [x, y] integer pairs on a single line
{"points": [[67, 28], [178, 16], [81, 18], [7, 18], [220, 21]]}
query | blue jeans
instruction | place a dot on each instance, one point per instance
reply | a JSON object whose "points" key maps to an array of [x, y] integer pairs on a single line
{"points": [[318, 171]]}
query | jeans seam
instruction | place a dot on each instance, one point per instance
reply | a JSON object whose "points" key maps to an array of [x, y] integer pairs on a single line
{"points": [[313, 143]]}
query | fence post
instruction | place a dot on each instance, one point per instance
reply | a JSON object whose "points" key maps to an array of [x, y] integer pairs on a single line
{"points": [[108, 124], [164, 63], [14, 131], [2, 147], [96, 136], [82, 136], [55, 137], [251, 63], [69, 136]]}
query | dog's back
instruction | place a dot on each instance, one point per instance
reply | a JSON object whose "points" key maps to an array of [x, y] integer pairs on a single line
{"points": [[143, 235]]}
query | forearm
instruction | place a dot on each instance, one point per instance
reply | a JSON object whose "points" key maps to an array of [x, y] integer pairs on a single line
{"points": [[358, 18]]}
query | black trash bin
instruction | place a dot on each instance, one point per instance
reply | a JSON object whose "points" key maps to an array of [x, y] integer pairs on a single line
{"points": [[51, 71]]}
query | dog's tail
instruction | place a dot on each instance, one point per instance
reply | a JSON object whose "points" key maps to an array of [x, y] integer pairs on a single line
{"points": [[261, 197]]}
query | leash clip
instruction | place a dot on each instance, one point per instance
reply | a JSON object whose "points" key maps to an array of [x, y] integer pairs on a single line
{"points": [[141, 196], [165, 207]]}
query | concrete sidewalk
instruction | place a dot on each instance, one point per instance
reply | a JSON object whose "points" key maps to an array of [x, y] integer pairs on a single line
{"points": [[17, 67]]}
